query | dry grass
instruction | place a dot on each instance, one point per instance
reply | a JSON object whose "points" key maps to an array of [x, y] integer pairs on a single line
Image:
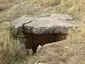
{"points": [[10, 49], [5, 4]]}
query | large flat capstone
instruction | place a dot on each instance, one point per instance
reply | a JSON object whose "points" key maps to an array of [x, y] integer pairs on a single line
{"points": [[42, 24]]}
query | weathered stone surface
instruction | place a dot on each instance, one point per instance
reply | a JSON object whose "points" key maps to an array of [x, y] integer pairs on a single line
{"points": [[55, 53], [52, 23], [20, 21]]}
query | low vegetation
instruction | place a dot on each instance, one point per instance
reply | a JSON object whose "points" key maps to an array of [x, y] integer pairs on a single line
{"points": [[10, 49]]}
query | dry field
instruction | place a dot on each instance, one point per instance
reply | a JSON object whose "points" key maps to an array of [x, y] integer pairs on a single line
{"points": [[11, 50]]}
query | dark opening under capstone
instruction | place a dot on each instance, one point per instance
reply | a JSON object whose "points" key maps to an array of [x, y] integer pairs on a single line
{"points": [[34, 40]]}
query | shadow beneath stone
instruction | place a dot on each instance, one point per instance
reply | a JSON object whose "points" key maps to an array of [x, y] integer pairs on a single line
{"points": [[34, 40]]}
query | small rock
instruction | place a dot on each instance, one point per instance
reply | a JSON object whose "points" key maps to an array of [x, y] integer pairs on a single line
{"points": [[40, 63], [39, 48]]}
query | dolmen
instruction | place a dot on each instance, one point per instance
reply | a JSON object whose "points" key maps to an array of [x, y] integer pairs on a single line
{"points": [[43, 29]]}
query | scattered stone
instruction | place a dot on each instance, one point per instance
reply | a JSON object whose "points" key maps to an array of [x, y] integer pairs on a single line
{"points": [[40, 63], [39, 48]]}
